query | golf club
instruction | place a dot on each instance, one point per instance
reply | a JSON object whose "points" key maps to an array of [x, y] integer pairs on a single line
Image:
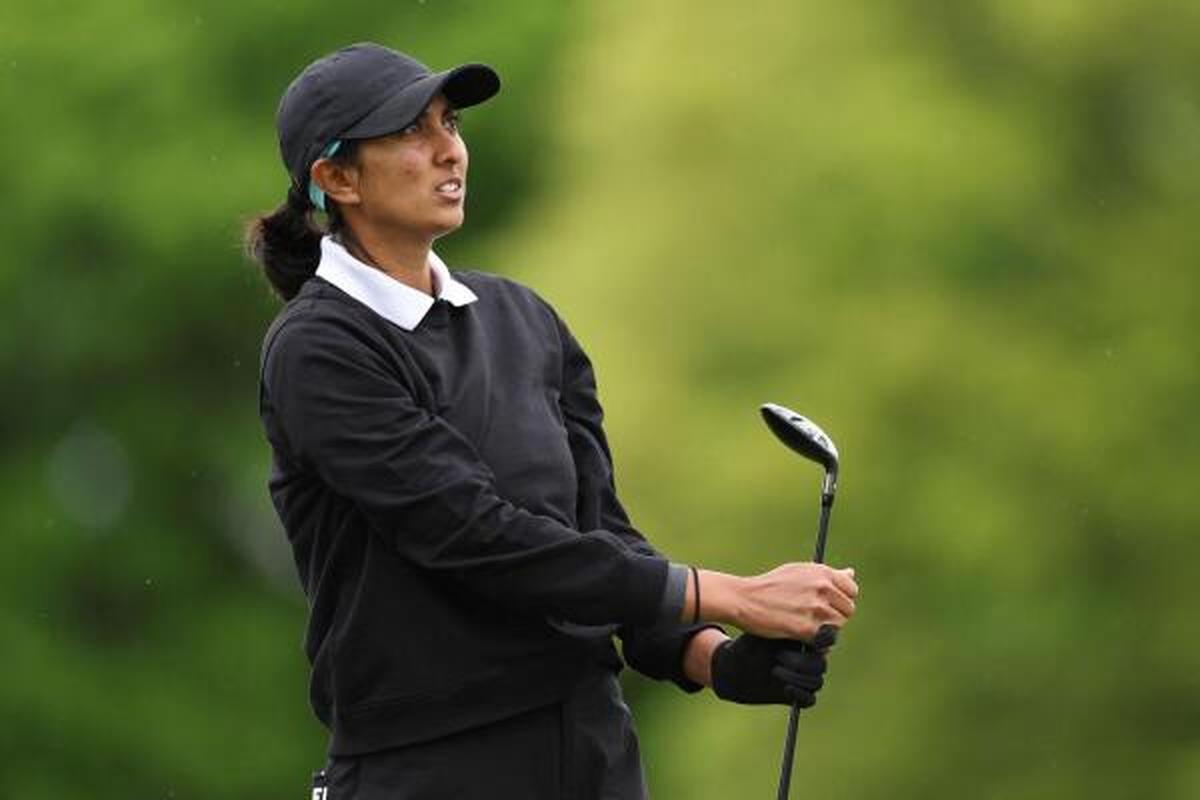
{"points": [[806, 438]]}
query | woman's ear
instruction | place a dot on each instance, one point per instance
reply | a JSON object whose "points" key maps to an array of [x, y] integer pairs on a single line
{"points": [[338, 181]]}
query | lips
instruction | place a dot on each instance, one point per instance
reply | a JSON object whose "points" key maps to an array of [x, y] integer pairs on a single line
{"points": [[450, 188]]}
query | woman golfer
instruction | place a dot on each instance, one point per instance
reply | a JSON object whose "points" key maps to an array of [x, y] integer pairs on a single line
{"points": [[443, 476]]}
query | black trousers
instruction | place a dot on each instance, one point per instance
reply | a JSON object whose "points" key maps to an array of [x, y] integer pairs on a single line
{"points": [[584, 748]]}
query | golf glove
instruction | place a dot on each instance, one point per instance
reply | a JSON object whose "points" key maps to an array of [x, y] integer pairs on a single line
{"points": [[757, 671]]}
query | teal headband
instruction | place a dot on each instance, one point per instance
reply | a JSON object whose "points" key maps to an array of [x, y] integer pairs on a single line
{"points": [[314, 191]]}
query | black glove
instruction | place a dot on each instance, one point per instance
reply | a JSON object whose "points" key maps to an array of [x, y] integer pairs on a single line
{"points": [[758, 671]]}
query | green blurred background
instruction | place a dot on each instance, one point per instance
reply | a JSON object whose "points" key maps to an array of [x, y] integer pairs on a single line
{"points": [[961, 236]]}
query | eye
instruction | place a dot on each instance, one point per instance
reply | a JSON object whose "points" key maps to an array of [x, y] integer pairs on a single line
{"points": [[410, 129], [452, 121]]}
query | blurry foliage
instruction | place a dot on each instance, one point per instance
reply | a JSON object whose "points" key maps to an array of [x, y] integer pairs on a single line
{"points": [[959, 236]]}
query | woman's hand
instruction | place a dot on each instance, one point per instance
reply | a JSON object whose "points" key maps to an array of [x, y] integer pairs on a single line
{"points": [[791, 601], [756, 671]]}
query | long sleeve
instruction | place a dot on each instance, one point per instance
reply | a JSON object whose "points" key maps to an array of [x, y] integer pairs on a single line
{"points": [[655, 649], [343, 408]]}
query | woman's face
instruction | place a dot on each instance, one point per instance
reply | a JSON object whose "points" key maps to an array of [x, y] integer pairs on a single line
{"points": [[413, 182]]}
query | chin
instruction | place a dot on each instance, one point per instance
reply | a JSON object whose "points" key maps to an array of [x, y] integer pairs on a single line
{"points": [[449, 224]]}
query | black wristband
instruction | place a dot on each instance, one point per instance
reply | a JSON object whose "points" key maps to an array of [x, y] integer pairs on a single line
{"points": [[696, 587]]}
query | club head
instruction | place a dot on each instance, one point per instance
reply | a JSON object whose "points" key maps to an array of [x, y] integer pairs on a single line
{"points": [[801, 435]]}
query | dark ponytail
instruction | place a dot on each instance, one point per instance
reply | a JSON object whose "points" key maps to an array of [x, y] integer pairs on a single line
{"points": [[287, 241]]}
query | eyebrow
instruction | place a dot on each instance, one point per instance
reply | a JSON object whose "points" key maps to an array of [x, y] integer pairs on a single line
{"points": [[448, 110]]}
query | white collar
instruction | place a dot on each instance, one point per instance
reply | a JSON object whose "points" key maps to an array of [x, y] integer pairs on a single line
{"points": [[383, 294]]}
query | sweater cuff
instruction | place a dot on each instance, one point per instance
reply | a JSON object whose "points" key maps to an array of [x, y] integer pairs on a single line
{"points": [[674, 593]]}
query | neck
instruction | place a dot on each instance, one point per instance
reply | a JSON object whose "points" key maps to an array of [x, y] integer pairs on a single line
{"points": [[405, 260]]}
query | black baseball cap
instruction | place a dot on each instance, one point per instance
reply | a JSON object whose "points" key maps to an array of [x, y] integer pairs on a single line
{"points": [[365, 90]]}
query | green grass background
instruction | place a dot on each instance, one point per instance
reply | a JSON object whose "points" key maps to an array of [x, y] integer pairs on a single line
{"points": [[961, 236]]}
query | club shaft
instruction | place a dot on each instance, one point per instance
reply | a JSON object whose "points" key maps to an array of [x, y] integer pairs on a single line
{"points": [[789, 742], [789, 752], [823, 528]]}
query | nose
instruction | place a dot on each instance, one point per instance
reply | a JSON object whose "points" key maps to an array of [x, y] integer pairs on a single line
{"points": [[449, 148]]}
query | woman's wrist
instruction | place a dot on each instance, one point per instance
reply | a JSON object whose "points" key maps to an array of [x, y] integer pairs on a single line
{"points": [[720, 598], [698, 655]]}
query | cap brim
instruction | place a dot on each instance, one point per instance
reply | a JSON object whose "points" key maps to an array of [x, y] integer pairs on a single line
{"points": [[468, 85]]}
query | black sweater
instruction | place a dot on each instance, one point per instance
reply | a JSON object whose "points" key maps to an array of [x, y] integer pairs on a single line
{"points": [[448, 492]]}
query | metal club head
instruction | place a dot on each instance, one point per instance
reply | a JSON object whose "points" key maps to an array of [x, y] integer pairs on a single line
{"points": [[805, 437]]}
